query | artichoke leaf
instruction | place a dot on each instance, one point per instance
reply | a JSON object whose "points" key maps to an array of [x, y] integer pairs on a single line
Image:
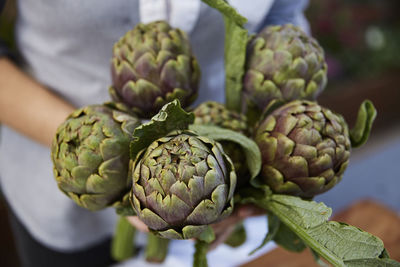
{"points": [[236, 37], [170, 118], [340, 244], [365, 118]]}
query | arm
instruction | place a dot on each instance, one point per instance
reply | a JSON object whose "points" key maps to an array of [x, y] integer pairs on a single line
{"points": [[27, 106]]}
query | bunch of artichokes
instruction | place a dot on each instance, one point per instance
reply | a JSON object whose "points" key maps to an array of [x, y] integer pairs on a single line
{"points": [[181, 183]]}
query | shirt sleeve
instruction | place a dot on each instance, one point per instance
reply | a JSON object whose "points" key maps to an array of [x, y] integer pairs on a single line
{"points": [[287, 11]]}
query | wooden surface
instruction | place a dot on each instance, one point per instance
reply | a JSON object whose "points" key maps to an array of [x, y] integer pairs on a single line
{"points": [[367, 215]]}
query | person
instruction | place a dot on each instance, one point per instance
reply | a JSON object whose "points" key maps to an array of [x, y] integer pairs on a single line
{"points": [[65, 48]]}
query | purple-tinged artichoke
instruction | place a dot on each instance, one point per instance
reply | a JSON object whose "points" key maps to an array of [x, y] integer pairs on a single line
{"points": [[181, 184], [90, 153], [305, 149], [151, 65], [283, 63]]}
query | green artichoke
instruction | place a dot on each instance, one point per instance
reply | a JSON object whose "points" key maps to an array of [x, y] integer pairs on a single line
{"points": [[214, 113], [152, 65], [181, 184], [305, 149], [90, 153], [283, 63]]}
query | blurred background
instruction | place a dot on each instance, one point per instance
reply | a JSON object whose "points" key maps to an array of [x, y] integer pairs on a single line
{"points": [[361, 39]]}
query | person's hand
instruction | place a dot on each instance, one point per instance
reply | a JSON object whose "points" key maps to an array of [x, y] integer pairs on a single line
{"points": [[222, 229], [137, 223]]}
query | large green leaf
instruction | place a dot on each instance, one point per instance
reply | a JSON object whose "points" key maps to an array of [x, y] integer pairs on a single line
{"points": [[372, 263], [170, 118], [340, 244], [250, 148]]}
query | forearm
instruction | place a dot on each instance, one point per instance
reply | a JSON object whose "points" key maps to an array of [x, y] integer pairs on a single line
{"points": [[27, 106]]}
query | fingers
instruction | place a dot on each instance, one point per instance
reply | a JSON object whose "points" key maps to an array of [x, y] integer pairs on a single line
{"points": [[137, 223]]}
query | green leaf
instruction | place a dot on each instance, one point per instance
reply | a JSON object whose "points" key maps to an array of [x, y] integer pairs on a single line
{"points": [[305, 214], [384, 254], [235, 52], [156, 248], [340, 244], [237, 237], [170, 118], [250, 148], [200, 254], [235, 60], [122, 245], [273, 227], [365, 118], [318, 259], [347, 241], [288, 240], [372, 263], [227, 10]]}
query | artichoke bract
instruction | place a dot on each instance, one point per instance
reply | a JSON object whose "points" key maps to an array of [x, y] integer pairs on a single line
{"points": [[151, 65], [181, 184], [283, 63], [90, 153], [305, 149]]}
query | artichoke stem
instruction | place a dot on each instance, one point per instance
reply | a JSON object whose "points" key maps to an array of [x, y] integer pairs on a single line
{"points": [[156, 249], [122, 246], [200, 254]]}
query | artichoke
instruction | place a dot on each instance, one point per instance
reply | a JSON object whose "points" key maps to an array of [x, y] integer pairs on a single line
{"points": [[181, 184], [152, 65], [305, 149], [90, 153], [214, 113], [283, 63]]}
